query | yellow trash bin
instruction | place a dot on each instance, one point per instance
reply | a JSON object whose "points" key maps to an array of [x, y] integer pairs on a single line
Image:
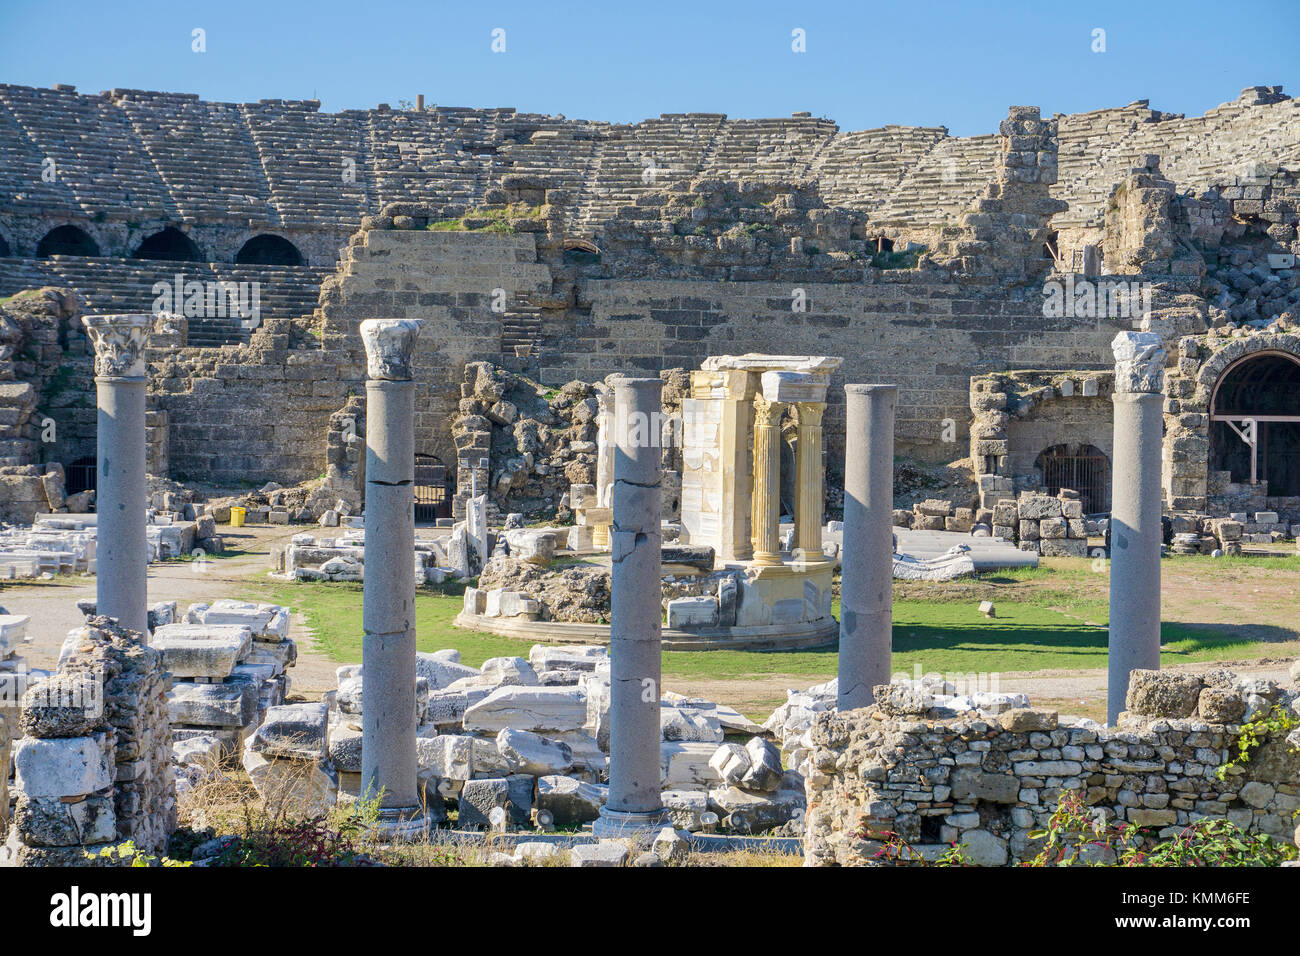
{"points": [[236, 517]]}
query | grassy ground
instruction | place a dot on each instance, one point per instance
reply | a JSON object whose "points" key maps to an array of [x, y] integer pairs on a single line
{"points": [[1049, 618]]}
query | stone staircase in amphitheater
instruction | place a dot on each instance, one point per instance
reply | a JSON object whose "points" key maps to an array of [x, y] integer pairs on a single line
{"points": [[128, 285]]}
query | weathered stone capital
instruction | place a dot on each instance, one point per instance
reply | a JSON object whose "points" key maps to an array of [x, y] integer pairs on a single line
{"points": [[810, 413], [119, 342], [389, 344], [766, 412], [1139, 362]]}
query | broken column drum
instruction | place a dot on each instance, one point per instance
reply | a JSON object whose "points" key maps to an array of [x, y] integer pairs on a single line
{"points": [[388, 760], [121, 581], [635, 629], [867, 557], [1135, 519]]}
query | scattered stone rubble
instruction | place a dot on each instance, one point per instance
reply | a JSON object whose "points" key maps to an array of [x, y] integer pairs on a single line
{"points": [[937, 771], [229, 663], [530, 737], [93, 767]]}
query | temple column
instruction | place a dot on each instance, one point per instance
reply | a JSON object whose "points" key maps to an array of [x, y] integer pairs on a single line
{"points": [[810, 492], [121, 583], [635, 632], [388, 761], [767, 480], [867, 557], [1135, 518]]}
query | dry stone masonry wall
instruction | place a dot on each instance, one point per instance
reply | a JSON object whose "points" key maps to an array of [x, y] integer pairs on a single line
{"points": [[933, 770]]}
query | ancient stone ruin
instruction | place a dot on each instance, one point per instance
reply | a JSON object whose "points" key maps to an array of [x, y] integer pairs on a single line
{"points": [[634, 388]]}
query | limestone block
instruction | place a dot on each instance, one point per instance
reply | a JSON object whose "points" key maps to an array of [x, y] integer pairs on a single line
{"points": [[198, 650], [449, 756], [309, 787], [533, 546], [685, 807], [567, 657], [746, 812], [62, 767], [730, 762], [509, 671], [530, 753], [439, 672], [606, 853], [539, 709], [53, 821], [764, 773], [1023, 720], [690, 612], [479, 797], [684, 725], [570, 801], [293, 730], [212, 705], [685, 766], [1163, 693]]}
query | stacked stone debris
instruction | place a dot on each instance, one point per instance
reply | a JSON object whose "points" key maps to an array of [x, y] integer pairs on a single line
{"points": [[93, 768], [531, 737], [14, 680], [935, 772], [1046, 525], [229, 663], [287, 759], [937, 514], [341, 557], [1005, 229]]}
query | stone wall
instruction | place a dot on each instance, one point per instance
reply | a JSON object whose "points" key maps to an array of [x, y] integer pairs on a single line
{"points": [[93, 767], [909, 765]]}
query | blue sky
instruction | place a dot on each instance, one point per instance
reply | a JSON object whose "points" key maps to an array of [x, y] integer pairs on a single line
{"points": [[954, 64]]}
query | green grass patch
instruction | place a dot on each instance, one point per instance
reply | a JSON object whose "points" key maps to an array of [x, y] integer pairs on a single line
{"points": [[941, 636]]}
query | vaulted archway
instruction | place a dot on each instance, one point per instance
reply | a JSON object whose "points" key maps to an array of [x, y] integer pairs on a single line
{"points": [[269, 250], [170, 244], [1255, 422], [66, 241]]}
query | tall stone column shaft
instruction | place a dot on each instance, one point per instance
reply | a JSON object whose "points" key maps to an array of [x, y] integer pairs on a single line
{"points": [[810, 493], [1135, 517], [635, 648], [122, 578], [388, 762], [867, 556], [767, 481]]}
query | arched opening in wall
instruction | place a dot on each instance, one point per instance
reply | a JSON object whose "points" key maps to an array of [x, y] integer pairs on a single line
{"points": [[433, 492], [269, 250], [884, 245], [171, 244], [66, 241], [4, 247], [1083, 468], [1255, 422], [80, 475]]}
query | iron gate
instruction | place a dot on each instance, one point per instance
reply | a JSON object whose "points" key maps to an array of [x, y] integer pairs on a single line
{"points": [[432, 496], [80, 476], [1082, 468]]}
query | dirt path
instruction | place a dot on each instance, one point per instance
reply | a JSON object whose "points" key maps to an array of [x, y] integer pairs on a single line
{"points": [[53, 605]]}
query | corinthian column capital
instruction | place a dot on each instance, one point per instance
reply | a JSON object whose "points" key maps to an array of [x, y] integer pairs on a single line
{"points": [[389, 344], [119, 342], [1139, 362]]}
